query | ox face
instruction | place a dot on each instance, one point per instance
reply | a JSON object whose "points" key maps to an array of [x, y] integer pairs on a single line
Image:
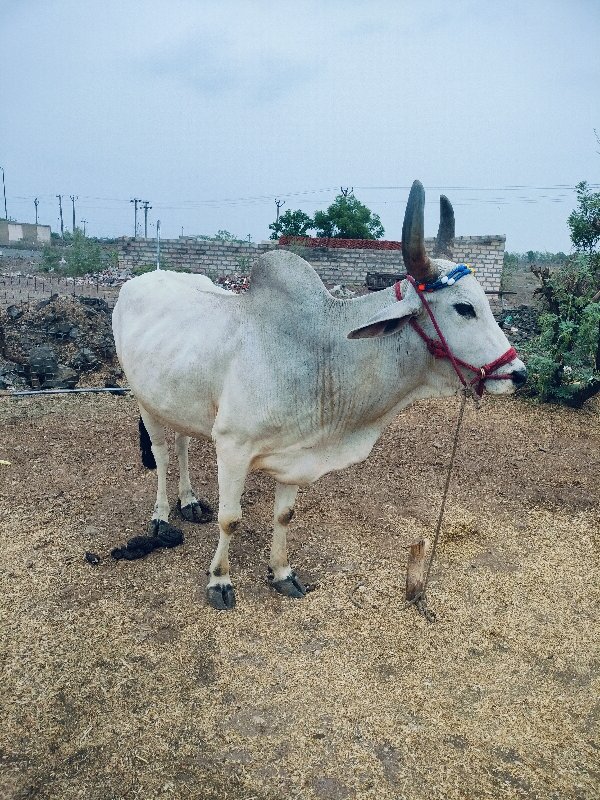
{"points": [[465, 318], [460, 308]]}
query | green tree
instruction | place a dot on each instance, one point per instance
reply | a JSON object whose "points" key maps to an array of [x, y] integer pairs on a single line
{"points": [[564, 360], [584, 221], [292, 223], [348, 218]]}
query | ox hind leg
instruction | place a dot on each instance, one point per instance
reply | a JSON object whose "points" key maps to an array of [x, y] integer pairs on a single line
{"points": [[281, 575], [156, 432], [190, 507]]}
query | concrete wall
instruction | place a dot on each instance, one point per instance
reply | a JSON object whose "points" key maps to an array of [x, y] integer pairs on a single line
{"points": [[23, 232], [334, 265]]}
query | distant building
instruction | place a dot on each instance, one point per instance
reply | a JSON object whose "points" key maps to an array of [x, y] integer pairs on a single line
{"points": [[23, 233]]}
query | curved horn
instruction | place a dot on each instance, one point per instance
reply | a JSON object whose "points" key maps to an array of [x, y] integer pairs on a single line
{"points": [[443, 243], [416, 260]]}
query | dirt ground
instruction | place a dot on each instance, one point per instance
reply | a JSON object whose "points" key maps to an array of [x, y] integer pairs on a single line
{"points": [[119, 682]]}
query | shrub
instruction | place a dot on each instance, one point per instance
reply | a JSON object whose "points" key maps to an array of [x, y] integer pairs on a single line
{"points": [[80, 256], [564, 360]]}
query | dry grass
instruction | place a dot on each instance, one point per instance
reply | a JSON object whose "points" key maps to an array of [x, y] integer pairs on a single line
{"points": [[119, 682]]}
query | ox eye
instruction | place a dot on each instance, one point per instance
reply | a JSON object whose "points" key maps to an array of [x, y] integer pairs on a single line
{"points": [[465, 310]]}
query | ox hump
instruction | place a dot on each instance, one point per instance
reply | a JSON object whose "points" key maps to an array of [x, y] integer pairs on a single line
{"points": [[285, 273]]}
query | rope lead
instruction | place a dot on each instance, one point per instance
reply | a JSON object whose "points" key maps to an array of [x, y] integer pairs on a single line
{"points": [[420, 600]]}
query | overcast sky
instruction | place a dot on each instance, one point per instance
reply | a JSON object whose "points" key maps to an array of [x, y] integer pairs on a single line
{"points": [[212, 110]]}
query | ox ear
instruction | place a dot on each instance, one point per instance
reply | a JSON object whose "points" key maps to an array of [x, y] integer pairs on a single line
{"points": [[390, 319]]}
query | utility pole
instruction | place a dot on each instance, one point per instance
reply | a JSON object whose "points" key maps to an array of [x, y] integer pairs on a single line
{"points": [[83, 222], [62, 229], [135, 202], [278, 204], [345, 192], [35, 203], [73, 198], [147, 206], [4, 191]]}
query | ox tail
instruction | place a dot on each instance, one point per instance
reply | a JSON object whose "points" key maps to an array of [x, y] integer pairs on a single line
{"points": [[148, 459]]}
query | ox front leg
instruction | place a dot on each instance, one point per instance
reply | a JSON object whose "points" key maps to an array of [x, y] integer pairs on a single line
{"points": [[232, 476], [281, 575], [190, 508]]}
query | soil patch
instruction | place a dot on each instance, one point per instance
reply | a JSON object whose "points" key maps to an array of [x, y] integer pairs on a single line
{"points": [[119, 682]]}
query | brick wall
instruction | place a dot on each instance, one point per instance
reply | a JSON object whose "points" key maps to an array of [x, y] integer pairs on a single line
{"points": [[334, 265]]}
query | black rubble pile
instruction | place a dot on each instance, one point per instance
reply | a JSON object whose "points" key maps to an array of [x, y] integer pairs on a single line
{"points": [[51, 344], [234, 283], [519, 324]]}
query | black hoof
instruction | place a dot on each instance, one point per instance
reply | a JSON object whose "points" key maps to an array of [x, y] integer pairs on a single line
{"points": [[196, 512], [221, 597], [167, 535], [290, 586]]}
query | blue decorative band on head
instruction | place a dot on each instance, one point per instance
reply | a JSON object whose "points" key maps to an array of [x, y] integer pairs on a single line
{"points": [[455, 274]]}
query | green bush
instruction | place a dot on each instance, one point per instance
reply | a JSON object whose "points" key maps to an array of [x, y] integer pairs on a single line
{"points": [[80, 256], [564, 360]]}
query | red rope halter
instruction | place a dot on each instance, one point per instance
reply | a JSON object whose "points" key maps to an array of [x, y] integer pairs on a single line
{"points": [[441, 348]]}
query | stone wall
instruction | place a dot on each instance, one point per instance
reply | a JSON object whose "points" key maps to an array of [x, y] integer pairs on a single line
{"points": [[334, 265]]}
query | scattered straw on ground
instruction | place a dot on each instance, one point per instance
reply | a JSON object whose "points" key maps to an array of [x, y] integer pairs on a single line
{"points": [[119, 682]]}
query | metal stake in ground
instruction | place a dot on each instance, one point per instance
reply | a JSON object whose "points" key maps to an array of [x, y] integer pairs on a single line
{"points": [[157, 244]]}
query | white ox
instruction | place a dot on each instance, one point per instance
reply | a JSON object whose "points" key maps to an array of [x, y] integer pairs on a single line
{"points": [[289, 380]]}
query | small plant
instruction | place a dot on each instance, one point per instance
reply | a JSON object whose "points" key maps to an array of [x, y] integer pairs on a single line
{"points": [[142, 269], [244, 263], [51, 256], [226, 236]]}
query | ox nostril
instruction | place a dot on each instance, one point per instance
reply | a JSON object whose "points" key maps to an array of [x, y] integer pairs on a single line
{"points": [[519, 377]]}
